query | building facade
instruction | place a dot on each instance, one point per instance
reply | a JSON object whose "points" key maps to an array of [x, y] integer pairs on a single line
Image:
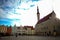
{"points": [[29, 30], [9, 30], [47, 25], [19, 30], [3, 29]]}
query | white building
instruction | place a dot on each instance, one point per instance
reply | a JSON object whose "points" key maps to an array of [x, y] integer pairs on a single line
{"points": [[18, 30], [14, 30], [29, 30]]}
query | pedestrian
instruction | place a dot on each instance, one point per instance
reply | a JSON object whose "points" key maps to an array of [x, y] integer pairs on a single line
{"points": [[16, 34]]}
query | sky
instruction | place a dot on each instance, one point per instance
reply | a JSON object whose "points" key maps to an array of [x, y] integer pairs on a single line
{"points": [[24, 12]]}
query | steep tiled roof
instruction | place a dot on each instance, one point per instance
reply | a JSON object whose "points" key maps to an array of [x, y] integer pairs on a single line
{"points": [[45, 18]]}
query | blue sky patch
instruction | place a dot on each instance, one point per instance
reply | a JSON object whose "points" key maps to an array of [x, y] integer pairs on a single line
{"points": [[32, 5]]}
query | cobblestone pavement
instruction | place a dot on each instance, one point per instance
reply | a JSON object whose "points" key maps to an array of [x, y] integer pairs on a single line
{"points": [[29, 38]]}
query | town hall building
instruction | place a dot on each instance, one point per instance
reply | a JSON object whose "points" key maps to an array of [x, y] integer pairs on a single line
{"points": [[47, 25]]}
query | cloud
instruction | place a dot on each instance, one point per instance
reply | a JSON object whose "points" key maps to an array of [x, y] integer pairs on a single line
{"points": [[13, 16], [27, 5], [23, 12], [35, 0], [17, 16], [32, 5], [6, 8], [2, 12]]}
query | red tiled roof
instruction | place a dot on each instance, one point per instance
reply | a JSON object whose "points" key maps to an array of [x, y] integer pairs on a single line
{"points": [[32, 28], [45, 18], [29, 27]]}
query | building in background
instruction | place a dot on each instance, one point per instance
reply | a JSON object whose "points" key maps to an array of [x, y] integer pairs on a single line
{"points": [[33, 31], [14, 30], [18, 30], [29, 30], [3, 30], [9, 30], [23, 30]]}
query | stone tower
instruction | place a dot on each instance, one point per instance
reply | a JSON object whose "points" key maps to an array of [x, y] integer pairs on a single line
{"points": [[38, 14]]}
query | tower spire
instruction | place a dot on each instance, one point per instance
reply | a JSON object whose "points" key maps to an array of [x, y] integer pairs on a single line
{"points": [[38, 14]]}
